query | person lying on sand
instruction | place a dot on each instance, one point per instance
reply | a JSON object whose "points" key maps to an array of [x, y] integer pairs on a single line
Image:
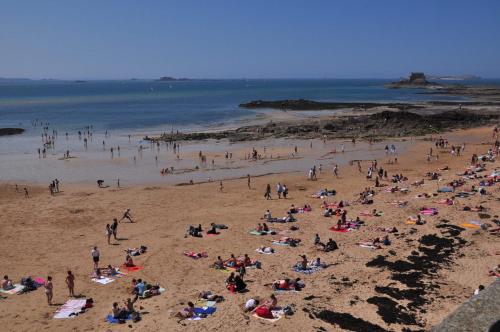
{"points": [[7, 283], [187, 312], [288, 240], [136, 251], [288, 284], [209, 296], [388, 229], [267, 250], [377, 242]]}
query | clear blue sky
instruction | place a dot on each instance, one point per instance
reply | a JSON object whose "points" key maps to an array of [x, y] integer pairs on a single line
{"points": [[248, 39]]}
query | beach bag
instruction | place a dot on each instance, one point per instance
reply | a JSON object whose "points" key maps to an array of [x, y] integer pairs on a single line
{"points": [[135, 316], [258, 265], [288, 310]]}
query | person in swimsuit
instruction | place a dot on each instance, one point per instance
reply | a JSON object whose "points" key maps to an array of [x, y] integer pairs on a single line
{"points": [[7, 283], [70, 282], [108, 233], [126, 215], [48, 289], [95, 257], [187, 312], [114, 227]]}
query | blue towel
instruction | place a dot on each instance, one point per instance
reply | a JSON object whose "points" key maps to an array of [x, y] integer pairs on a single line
{"points": [[112, 320], [207, 311]]}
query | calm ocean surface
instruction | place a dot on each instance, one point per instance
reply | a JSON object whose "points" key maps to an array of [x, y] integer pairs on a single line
{"points": [[136, 105]]}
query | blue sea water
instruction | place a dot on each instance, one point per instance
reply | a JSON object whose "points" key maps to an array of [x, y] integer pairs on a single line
{"points": [[141, 104]]}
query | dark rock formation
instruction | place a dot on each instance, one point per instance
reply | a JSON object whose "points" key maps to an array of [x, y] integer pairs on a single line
{"points": [[11, 131], [375, 126], [310, 105], [416, 80]]}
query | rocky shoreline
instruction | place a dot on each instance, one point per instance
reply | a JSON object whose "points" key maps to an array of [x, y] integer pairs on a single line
{"points": [[375, 126], [11, 131]]}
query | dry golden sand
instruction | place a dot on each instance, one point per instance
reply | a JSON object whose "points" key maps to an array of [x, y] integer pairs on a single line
{"points": [[47, 235]]}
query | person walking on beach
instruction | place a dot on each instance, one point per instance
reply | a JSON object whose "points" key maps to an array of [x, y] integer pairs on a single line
{"points": [[285, 191], [114, 227], [221, 187], [336, 170], [267, 195], [127, 215], [26, 194], [248, 181], [70, 282], [49, 289], [95, 257], [279, 190]]}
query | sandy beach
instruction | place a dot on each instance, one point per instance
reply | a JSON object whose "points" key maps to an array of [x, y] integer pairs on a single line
{"points": [[362, 289]]}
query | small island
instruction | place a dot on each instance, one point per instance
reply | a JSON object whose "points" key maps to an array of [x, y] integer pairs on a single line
{"points": [[11, 131], [416, 80], [171, 79]]}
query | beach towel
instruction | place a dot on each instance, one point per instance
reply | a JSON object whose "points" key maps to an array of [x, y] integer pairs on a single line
{"points": [[110, 319], [103, 280], [213, 234], [277, 314], [161, 290], [367, 246], [470, 225], [196, 255], [280, 243], [369, 214], [39, 281], [309, 270], [70, 308], [445, 190], [256, 232], [286, 291], [263, 252], [131, 268], [342, 230], [429, 211], [201, 312], [205, 303], [17, 289]]}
